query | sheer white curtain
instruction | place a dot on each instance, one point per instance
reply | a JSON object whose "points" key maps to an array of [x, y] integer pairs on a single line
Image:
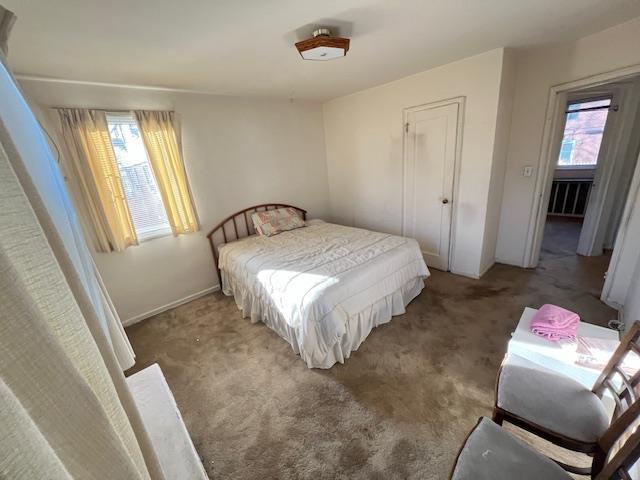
{"points": [[65, 409]]}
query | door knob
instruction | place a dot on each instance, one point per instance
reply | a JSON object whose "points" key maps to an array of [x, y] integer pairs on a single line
{"points": [[445, 200]]}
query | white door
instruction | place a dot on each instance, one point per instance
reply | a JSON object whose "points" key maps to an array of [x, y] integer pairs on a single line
{"points": [[429, 164], [603, 190]]}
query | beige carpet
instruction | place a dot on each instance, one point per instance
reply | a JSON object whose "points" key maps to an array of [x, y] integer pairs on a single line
{"points": [[399, 408]]}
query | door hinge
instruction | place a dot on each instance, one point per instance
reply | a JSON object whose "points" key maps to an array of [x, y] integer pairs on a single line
{"points": [[406, 127]]}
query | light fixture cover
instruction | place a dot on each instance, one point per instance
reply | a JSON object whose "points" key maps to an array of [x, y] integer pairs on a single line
{"points": [[323, 46]]}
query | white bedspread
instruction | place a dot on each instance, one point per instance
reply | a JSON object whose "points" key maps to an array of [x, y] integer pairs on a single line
{"points": [[314, 278]]}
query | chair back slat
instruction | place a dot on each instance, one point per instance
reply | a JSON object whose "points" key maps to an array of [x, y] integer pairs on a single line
{"points": [[624, 475], [620, 445], [617, 397], [635, 379], [620, 426], [629, 392], [620, 462], [615, 376]]}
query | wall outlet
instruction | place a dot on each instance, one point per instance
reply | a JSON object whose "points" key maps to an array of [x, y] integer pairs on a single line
{"points": [[527, 171]]}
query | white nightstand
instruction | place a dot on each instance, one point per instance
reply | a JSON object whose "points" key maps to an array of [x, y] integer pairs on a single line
{"points": [[558, 356]]}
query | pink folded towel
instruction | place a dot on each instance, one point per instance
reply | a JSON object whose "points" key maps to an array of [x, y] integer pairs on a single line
{"points": [[555, 323]]}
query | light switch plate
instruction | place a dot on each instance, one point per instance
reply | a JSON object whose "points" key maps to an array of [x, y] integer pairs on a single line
{"points": [[527, 171]]}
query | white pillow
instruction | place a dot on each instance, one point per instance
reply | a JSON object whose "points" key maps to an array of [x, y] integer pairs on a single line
{"points": [[272, 222]]}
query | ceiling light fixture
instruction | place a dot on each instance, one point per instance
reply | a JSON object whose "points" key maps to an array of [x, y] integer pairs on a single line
{"points": [[323, 46]]}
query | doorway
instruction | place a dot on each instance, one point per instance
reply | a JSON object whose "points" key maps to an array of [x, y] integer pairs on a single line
{"points": [[431, 151], [597, 142]]}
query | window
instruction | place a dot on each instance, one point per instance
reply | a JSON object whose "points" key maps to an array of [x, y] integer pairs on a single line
{"points": [[139, 184], [583, 132]]}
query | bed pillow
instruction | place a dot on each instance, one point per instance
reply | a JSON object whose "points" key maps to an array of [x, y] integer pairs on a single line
{"points": [[276, 221]]}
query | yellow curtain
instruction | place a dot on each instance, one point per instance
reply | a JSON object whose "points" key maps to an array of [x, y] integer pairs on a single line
{"points": [[165, 156], [91, 164]]}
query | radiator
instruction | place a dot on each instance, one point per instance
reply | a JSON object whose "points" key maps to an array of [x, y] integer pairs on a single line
{"points": [[569, 198]]}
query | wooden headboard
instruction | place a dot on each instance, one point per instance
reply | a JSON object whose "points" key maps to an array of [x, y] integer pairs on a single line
{"points": [[231, 228]]}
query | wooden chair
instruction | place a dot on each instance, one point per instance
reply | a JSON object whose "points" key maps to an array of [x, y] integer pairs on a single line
{"points": [[563, 411], [492, 453]]}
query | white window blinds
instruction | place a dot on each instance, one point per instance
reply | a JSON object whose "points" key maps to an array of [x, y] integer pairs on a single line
{"points": [[138, 182]]}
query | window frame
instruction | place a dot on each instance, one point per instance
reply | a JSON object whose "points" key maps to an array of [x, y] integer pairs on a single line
{"points": [[576, 101], [576, 167], [597, 98], [150, 234]]}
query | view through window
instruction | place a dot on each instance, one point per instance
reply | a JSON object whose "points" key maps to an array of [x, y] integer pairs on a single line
{"points": [[583, 133], [139, 184]]}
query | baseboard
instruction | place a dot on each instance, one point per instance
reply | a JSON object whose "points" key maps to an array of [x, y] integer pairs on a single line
{"points": [[176, 303], [486, 269], [475, 276], [510, 262], [622, 318], [613, 304]]}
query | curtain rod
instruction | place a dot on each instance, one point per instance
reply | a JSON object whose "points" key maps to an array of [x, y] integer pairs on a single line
{"points": [[590, 109]]}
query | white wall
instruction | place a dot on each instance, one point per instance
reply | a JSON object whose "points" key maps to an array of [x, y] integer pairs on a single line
{"points": [[498, 168], [537, 71], [237, 151], [364, 135]]}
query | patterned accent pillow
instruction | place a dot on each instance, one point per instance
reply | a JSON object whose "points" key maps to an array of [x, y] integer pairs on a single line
{"points": [[276, 221]]}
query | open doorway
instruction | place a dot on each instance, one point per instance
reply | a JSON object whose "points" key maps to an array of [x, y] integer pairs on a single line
{"points": [[595, 154]]}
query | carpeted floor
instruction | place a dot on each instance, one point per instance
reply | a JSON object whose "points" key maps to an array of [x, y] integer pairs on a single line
{"points": [[558, 257], [561, 235], [398, 408]]}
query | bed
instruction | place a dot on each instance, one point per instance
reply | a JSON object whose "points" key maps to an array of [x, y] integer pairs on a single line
{"points": [[322, 287]]}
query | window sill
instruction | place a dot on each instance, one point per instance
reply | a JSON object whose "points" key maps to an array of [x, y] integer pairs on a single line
{"points": [[575, 167], [154, 235]]}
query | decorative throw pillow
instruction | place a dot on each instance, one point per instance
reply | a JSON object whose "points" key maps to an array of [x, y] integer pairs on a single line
{"points": [[276, 221]]}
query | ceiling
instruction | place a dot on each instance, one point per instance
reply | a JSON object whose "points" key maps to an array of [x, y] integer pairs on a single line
{"points": [[245, 47]]}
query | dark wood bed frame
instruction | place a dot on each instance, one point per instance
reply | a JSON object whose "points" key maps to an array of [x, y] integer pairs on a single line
{"points": [[231, 228]]}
